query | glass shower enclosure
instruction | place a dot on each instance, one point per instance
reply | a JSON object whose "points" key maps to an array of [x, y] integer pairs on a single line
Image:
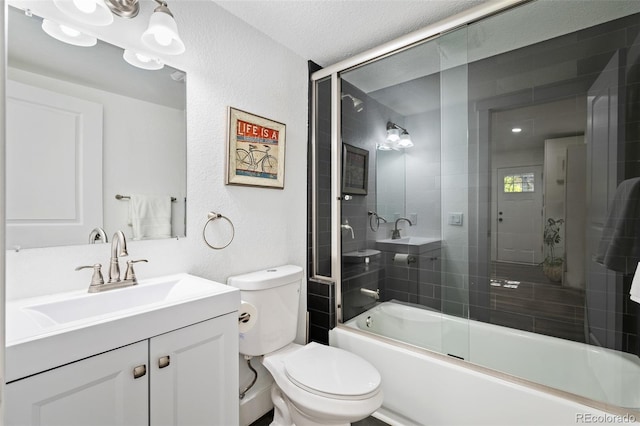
{"points": [[476, 175]]}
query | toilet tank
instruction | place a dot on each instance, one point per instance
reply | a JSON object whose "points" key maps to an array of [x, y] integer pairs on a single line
{"points": [[272, 296]]}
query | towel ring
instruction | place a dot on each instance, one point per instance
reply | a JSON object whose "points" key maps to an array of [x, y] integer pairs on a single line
{"points": [[211, 217]]}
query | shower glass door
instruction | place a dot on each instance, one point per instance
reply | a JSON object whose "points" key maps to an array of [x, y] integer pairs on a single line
{"points": [[400, 253]]}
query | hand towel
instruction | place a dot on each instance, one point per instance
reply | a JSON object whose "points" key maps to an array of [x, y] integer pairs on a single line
{"points": [[150, 216], [634, 293], [619, 248]]}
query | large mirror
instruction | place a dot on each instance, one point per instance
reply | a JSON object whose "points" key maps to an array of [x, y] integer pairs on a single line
{"points": [[92, 142]]}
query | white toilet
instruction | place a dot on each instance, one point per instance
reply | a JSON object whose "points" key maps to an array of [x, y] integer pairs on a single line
{"points": [[314, 384]]}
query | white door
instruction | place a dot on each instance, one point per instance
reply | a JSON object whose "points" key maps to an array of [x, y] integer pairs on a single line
{"points": [[194, 374], [519, 214], [54, 167], [100, 390]]}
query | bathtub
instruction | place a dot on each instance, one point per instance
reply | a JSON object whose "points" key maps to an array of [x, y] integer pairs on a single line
{"points": [[435, 386]]}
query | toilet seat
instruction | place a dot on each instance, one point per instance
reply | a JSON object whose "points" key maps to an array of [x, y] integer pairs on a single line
{"points": [[331, 373]]}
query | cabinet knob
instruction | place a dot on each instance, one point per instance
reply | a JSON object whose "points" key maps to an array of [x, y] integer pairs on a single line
{"points": [[164, 361], [139, 371]]}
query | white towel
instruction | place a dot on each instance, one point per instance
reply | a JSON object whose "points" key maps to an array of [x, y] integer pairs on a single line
{"points": [[635, 286], [150, 216]]}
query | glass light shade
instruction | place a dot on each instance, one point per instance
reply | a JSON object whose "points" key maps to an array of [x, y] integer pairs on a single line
{"points": [[142, 61], [393, 135], [67, 34], [162, 34], [384, 147], [405, 141], [92, 12]]}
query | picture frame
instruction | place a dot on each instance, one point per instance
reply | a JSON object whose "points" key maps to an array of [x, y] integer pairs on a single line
{"points": [[255, 150], [355, 170]]}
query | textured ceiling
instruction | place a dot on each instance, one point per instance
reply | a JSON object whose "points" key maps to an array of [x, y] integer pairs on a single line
{"points": [[328, 31]]}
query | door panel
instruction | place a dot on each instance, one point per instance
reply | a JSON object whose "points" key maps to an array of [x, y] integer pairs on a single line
{"points": [[519, 218]]}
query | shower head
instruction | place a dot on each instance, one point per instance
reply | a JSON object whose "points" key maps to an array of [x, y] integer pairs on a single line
{"points": [[358, 105]]}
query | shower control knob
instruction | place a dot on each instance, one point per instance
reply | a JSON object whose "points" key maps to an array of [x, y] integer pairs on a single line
{"points": [[500, 220]]}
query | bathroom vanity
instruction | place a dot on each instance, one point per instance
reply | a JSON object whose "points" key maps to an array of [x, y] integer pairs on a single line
{"points": [[162, 352]]}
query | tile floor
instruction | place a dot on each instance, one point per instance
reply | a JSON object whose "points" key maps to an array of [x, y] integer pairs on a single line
{"points": [[535, 304]]}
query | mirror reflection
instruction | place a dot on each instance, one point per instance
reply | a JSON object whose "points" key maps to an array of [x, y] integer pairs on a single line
{"points": [[93, 143]]}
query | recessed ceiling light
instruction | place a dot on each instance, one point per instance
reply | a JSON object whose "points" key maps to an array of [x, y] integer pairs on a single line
{"points": [[516, 130]]}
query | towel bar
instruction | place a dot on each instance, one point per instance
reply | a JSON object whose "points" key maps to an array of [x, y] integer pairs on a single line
{"points": [[127, 197]]}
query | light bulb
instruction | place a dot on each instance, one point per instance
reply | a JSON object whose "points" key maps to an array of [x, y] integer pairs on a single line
{"points": [[393, 135], [163, 38], [85, 6], [69, 31]]}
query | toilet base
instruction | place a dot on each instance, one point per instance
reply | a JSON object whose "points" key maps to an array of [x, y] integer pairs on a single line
{"points": [[287, 414]]}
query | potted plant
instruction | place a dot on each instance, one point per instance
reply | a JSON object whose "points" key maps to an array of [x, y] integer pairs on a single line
{"points": [[552, 264]]}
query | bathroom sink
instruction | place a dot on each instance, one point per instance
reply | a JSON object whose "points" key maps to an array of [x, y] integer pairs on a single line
{"points": [[143, 295], [47, 331], [359, 256], [412, 245]]}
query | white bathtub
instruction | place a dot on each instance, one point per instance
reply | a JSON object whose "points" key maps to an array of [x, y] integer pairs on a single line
{"points": [[427, 388]]}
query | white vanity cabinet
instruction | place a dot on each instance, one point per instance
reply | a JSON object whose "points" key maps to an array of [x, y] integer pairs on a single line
{"points": [[190, 378]]}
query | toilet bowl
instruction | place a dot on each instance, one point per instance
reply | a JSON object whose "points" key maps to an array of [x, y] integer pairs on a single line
{"points": [[321, 385], [314, 385]]}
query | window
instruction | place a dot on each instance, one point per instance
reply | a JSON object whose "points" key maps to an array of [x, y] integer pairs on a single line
{"points": [[523, 182]]}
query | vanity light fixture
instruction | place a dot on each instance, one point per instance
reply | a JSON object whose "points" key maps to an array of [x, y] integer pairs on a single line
{"points": [[67, 34], [123, 8], [405, 140], [397, 137], [162, 34], [142, 61], [516, 130], [92, 12]]}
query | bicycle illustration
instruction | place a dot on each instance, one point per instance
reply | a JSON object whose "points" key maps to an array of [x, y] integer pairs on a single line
{"points": [[246, 160]]}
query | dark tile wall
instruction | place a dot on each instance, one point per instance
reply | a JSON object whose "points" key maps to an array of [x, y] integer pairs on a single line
{"points": [[591, 49], [321, 307]]}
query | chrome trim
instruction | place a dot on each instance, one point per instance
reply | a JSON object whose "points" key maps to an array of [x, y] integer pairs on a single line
{"points": [[471, 15], [336, 192], [314, 178]]}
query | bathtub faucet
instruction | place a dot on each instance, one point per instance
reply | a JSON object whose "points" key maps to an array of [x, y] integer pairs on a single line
{"points": [[395, 235], [348, 228], [371, 293]]}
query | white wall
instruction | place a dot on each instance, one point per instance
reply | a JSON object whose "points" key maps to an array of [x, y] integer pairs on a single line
{"points": [[228, 63]]}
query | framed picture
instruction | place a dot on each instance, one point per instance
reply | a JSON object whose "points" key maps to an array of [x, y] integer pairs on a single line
{"points": [[255, 150], [355, 170]]}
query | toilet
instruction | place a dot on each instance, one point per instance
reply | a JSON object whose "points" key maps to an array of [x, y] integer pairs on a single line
{"points": [[314, 384]]}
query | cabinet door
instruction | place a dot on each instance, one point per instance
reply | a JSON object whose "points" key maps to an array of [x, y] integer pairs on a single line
{"points": [[194, 374], [100, 390]]}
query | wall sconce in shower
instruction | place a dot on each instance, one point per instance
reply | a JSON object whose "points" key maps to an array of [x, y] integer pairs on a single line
{"points": [[397, 138], [358, 105]]}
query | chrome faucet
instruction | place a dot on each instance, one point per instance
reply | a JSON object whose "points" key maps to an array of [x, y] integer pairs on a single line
{"points": [[118, 242], [348, 228], [395, 235], [118, 249], [98, 235]]}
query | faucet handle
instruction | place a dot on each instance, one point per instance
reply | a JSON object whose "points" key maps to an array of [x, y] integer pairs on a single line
{"points": [[130, 273], [96, 279]]}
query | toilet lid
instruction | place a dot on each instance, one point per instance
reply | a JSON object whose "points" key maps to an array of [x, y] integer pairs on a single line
{"points": [[332, 372]]}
